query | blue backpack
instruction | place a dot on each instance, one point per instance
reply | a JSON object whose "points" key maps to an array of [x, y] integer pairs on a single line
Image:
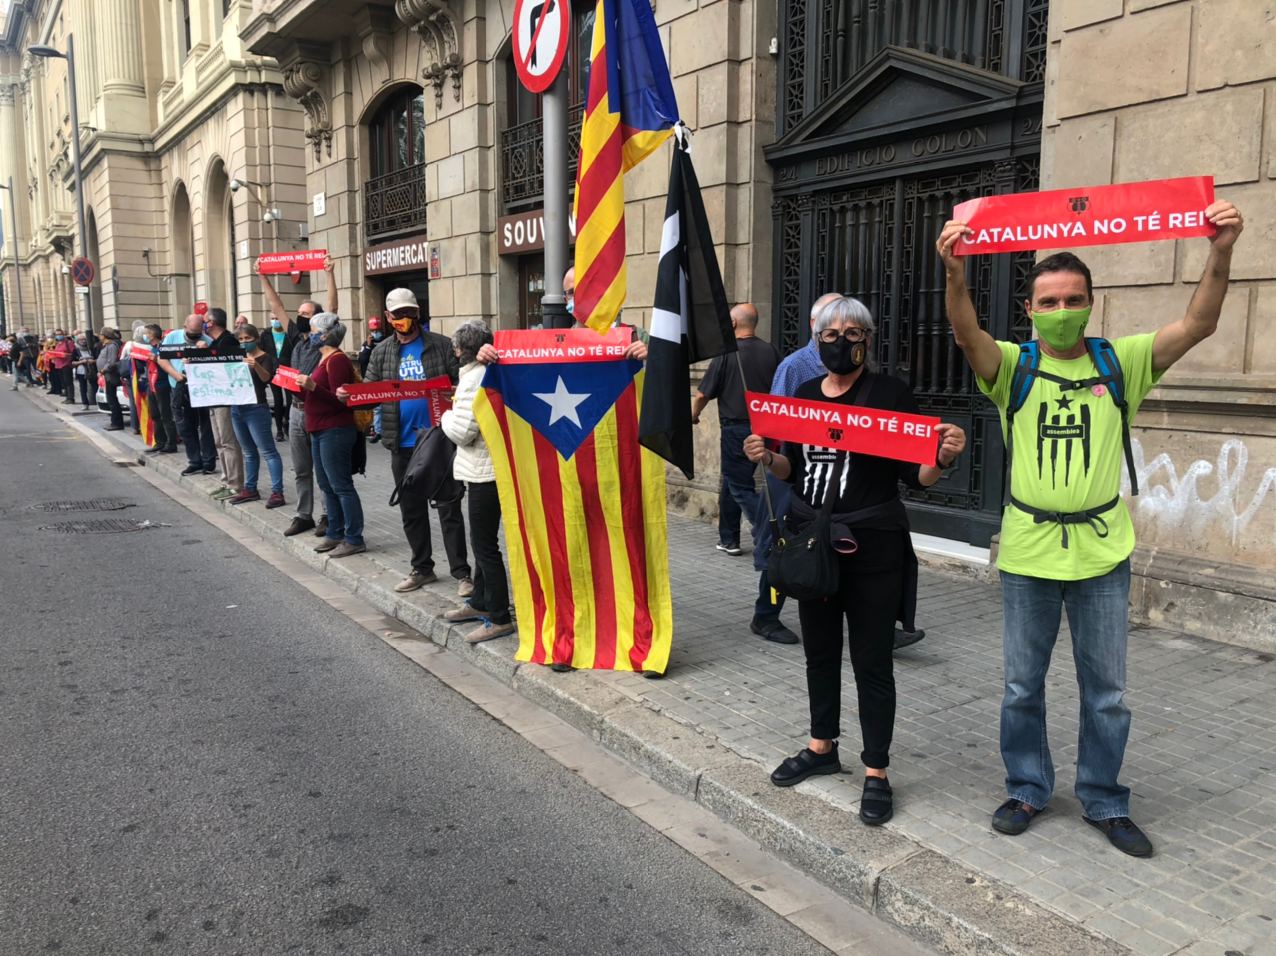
{"points": [[1110, 376]]}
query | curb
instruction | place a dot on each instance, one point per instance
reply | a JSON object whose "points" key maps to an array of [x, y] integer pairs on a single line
{"points": [[929, 896]]}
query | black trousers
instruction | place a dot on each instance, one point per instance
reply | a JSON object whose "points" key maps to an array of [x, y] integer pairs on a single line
{"points": [[279, 410], [68, 382], [868, 602], [88, 389], [491, 586], [197, 429], [415, 512], [161, 400], [111, 386]]}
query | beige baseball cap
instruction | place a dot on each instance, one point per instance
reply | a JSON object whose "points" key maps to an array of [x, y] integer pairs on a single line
{"points": [[401, 299]]}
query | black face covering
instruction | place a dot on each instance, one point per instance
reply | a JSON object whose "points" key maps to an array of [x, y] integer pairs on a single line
{"points": [[843, 357], [192, 337]]}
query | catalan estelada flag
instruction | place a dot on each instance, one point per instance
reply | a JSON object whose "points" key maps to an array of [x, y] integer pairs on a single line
{"points": [[583, 502], [141, 395], [630, 109]]}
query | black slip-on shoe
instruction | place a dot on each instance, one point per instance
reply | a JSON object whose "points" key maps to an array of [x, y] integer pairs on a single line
{"points": [[806, 763], [773, 631], [1124, 835], [192, 470], [877, 802], [1013, 817], [905, 638]]}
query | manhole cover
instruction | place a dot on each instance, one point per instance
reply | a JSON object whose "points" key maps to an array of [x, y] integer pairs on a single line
{"points": [[93, 526], [93, 504]]}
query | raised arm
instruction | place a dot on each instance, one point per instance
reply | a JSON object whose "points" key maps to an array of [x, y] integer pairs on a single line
{"points": [[980, 348], [330, 272], [276, 304], [1176, 339]]}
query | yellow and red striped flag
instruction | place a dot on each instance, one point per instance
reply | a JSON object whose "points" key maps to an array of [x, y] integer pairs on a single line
{"points": [[583, 503], [630, 109]]}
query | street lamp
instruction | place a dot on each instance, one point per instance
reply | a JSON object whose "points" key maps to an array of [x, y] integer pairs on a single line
{"points": [[17, 279], [52, 53]]}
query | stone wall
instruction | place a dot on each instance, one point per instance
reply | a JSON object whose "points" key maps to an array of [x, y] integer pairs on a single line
{"points": [[1146, 89]]}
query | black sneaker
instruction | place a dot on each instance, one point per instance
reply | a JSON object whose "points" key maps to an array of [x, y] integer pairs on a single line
{"points": [[192, 470], [805, 764], [1124, 835], [1013, 817], [773, 631], [877, 802]]}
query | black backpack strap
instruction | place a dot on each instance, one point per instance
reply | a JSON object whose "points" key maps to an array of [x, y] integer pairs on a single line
{"points": [[1026, 371], [1110, 374]]}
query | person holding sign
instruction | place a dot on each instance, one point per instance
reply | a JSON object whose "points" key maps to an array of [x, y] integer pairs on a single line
{"points": [[195, 424], [876, 565], [252, 424], [332, 432], [1066, 404], [414, 353]]}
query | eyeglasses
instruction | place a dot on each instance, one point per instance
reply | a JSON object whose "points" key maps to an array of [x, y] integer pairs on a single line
{"points": [[851, 334]]}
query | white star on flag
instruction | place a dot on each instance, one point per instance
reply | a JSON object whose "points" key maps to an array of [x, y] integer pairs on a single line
{"points": [[562, 403]]}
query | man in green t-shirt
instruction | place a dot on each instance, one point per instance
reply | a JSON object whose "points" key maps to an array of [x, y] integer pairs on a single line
{"points": [[1066, 536]]}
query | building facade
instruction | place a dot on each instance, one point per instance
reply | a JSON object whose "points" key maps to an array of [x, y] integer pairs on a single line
{"points": [[172, 109], [832, 139]]}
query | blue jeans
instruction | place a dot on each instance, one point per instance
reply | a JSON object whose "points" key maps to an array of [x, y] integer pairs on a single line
{"points": [[1098, 615], [737, 495], [252, 431], [331, 450], [781, 492]]}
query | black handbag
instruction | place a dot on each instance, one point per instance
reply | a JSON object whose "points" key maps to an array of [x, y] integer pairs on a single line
{"points": [[802, 563]]}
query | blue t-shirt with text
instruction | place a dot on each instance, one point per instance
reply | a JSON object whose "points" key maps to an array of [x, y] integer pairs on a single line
{"points": [[414, 414]]}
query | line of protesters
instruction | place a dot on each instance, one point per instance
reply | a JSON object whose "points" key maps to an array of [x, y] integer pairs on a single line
{"points": [[1065, 541]]}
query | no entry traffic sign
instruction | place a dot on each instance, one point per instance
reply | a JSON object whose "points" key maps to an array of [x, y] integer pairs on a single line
{"points": [[541, 31], [82, 271]]}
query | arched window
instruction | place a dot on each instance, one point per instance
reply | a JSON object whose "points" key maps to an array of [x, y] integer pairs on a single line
{"points": [[396, 135]]}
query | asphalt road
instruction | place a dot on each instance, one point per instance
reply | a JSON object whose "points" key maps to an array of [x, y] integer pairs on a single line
{"points": [[198, 756]]}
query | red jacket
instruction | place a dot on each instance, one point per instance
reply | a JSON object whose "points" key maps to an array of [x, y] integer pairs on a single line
{"points": [[323, 409]]}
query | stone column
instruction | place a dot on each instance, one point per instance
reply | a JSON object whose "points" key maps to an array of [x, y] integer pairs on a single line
{"points": [[120, 36]]}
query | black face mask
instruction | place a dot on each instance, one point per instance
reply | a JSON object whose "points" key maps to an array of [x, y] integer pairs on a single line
{"points": [[843, 357], [193, 337]]}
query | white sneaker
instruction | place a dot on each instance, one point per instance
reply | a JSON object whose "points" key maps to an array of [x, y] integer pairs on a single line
{"points": [[732, 549]]}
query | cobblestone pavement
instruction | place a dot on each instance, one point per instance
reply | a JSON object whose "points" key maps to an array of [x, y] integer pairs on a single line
{"points": [[1201, 758]]}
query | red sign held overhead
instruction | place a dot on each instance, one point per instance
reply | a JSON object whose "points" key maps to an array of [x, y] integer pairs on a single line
{"points": [[541, 31], [1094, 216], [278, 263], [82, 271]]}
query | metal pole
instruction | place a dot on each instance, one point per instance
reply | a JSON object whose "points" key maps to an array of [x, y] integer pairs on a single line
{"points": [[554, 118], [79, 181], [17, 279]]}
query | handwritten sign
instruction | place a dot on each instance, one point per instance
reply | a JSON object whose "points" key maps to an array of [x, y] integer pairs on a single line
{"points": [[1093, 216], [279, 263], [286, 377], [525, 347], [220, 383], [437, 391], [869, 431]]}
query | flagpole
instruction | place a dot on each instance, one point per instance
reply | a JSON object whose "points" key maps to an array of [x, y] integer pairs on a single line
{"points": [[554, 113]]}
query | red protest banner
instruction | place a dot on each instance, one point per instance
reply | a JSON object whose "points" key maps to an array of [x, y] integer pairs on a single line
{"points": [[306, 260], [1093, 216], [529, 347], [141, 353], [869, 431], [438, 391], [286, 377]]}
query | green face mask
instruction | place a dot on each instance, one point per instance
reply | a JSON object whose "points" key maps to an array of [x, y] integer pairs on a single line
{"points": [[1061, 329]]}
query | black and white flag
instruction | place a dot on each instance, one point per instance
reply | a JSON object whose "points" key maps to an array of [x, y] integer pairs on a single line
{"points": [[690, 320]]}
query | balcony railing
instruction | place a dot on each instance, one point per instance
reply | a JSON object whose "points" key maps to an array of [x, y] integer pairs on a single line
{"points": [[522, 159], [394, 204]]}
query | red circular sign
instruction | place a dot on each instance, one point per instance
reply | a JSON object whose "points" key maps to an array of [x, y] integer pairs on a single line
{"points": [[541, 31], [82, 271]]}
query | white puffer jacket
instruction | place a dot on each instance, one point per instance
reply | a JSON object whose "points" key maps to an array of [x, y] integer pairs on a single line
{"points": [[472, 462]]}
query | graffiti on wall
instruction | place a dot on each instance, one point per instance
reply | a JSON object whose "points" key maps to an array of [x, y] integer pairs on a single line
{"points": [[1208, 497]]}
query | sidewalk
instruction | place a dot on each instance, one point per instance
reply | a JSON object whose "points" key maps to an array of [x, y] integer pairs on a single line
{"points": [[1201, 758]]}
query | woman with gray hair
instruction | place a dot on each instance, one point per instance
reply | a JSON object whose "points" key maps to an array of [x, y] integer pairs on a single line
{"points": [[490, 602], [876, 565], [330, 425]]}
